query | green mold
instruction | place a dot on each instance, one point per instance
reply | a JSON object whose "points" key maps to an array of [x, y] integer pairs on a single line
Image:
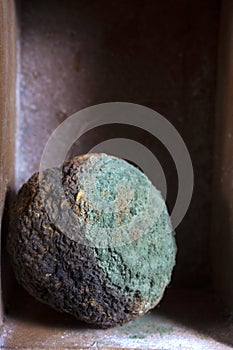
{"points": [[93, 239]]}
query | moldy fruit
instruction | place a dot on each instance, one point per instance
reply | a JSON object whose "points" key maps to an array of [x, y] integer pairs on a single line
{"points": [[93, 239]]}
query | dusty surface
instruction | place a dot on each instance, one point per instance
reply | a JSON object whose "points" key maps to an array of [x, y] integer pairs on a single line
{"points": [[184, 320]]}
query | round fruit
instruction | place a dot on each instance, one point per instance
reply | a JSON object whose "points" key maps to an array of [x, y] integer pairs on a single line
{"points": [[93, 239]]}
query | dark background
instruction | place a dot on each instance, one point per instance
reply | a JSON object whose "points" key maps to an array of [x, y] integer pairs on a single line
{"points": [[161, 54]]}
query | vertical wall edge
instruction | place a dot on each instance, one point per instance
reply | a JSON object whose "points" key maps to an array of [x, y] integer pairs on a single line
{"points": [[222, 239], [7, 105]]}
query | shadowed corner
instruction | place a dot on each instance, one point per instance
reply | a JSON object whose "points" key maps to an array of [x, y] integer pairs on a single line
{"points": [[222, 253], [8, 279]]}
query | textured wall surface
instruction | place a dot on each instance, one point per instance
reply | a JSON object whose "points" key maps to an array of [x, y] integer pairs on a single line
{"points": [[78, 53], [7, 109]]}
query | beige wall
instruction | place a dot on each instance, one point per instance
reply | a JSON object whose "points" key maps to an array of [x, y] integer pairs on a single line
{"points": [[7, 101]]}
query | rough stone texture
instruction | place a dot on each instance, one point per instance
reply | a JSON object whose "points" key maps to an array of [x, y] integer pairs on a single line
{"points": [[53, 246]]}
